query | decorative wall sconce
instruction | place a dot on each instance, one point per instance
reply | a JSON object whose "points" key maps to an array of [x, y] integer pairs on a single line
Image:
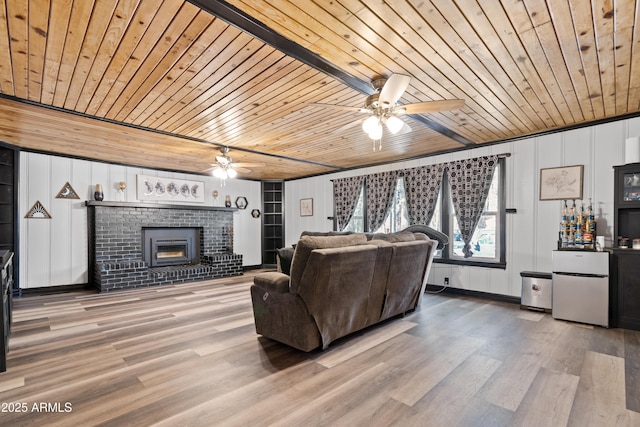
{"points": [[241, 202]]}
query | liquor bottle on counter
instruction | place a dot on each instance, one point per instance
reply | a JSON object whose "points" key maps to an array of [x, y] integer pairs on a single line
{"points": [[564, 226], [589, 236], [572, 226], [579, 230]]}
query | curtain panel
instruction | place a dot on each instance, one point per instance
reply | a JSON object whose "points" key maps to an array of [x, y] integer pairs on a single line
{"points": [[422, 186], [470, 182], [380, 188], [345, 198]]}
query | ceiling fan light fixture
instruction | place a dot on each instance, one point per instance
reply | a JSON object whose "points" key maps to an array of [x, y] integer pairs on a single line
{"points": [[231, 173], [220, 173], [376, 132], [394, 124], [370, 124]]}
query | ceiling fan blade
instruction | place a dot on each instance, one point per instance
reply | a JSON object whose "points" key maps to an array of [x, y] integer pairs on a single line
{"points": [[248, 165], [240, 169], [348, 126], [430, 106], [404, 129], [393, 89], [338, 107]]}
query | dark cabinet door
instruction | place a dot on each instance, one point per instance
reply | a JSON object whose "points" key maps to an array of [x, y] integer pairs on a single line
{"points": [[626, 270], [626, 312]]}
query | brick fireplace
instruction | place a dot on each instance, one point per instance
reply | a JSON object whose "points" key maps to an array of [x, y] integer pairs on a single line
{"points": [[196, 244]]}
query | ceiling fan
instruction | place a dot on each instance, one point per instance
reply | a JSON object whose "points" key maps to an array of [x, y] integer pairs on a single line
{"points": [[225, 167], [383, 109]]}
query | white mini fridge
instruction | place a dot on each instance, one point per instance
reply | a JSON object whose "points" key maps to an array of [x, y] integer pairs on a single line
{"points": [[581, 286]]}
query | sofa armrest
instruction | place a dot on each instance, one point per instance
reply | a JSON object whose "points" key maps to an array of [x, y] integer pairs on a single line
{"points": [[272, 282], [441, 238]]}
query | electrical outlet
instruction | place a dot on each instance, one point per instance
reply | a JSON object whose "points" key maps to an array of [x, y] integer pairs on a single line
{"points": [[446, 280]]}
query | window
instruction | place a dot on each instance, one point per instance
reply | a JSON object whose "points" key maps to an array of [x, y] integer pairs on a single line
{"points": [[488, 239], [487, 243], [397, 219]]}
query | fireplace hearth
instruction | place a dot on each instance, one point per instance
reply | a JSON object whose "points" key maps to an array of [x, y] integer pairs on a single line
{"points": [[166, 246]]}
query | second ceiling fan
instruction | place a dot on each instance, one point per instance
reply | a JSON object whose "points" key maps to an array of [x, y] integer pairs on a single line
{"points": [[383, 109], [225, 167]]}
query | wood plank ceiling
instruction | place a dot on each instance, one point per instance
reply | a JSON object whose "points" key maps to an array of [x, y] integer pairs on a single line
{"points": [[160, 84]]}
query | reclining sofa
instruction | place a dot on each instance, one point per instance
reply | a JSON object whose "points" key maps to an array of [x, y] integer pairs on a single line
{"points": [[339, 284]]}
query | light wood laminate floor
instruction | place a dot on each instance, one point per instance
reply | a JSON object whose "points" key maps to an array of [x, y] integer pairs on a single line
{"points": [[188, 355]]}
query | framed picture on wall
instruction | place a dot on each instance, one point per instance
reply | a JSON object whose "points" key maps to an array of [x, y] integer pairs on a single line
{"points": [[169, 189], [561, 183], [306, 207]]}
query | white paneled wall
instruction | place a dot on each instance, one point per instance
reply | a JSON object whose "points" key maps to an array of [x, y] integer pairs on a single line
{"points": [[532, 232], [53, 252]]}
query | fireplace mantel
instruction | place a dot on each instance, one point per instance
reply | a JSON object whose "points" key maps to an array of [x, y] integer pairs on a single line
{"points": [[116, 249], [157, 206]]}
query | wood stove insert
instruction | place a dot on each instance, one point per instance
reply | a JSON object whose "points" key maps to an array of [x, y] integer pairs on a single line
{"points": [[165, 246]]}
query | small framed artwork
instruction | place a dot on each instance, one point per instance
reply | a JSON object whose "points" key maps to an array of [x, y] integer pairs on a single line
{"points": [[255, 213], [561, 183], [306, 207]]}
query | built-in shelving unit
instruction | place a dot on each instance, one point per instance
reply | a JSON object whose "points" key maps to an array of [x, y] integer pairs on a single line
{"points": [[7, 198], [272, 221]]}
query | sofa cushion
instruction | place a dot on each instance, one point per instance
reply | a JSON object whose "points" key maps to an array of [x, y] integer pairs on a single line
{"points": [[306, 244]]}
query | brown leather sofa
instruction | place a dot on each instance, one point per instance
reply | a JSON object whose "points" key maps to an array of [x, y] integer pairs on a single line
{"points": [[340, 284]]}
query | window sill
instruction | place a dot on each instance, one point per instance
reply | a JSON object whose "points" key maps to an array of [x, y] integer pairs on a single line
{"points": [[471, 263]]}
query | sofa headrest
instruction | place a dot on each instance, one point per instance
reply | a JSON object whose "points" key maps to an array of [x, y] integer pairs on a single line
{"points": [[378, 243], [325, 233], [394, 237], [306, 244]]}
